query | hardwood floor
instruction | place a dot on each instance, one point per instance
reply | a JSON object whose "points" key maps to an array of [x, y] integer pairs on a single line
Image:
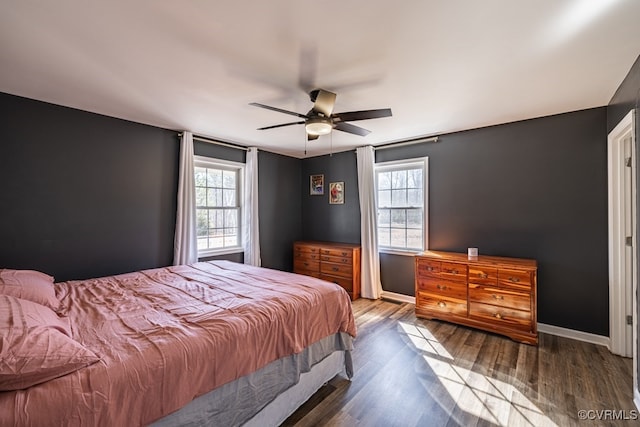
{"points": [[415, 372]]}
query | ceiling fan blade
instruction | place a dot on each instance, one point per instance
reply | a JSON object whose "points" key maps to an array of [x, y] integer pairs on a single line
{"points": [[279, 126], [324, 101], [279, 110], [351, 116], [312, 137], [356, 130]]}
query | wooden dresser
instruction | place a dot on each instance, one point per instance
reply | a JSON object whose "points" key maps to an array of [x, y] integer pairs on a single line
{"points": [[335, 262], [496, 294]]}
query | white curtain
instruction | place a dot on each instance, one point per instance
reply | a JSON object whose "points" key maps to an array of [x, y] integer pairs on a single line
{"points": [[250, 232], [370, 262], [185, 245]]}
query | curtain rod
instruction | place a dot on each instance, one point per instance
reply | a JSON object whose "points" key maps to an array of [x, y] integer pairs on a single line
{"points": [[405, 142], [216, 142]]}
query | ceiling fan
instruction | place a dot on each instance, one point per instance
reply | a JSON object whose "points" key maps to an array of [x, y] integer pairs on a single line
{"points": [[320, 120]]}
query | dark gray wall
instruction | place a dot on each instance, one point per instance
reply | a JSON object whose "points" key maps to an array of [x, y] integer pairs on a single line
{"points": [[83, 195], [530, 189], [626, 98], [321, 220], [280, 207]]}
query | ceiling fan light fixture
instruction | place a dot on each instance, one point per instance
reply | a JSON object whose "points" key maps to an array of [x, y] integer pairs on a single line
{"points": [[318, 126]]}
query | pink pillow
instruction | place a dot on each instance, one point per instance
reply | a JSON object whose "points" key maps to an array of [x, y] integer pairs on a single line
{"points": [[35, 345], [30, 285]]}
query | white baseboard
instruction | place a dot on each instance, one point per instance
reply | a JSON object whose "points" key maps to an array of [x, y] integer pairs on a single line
{"points": [[573, 334], [636, 398], [392, 296]]}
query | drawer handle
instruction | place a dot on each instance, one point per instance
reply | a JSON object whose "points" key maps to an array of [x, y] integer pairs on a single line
{"points": [[306, 264], [344, 254], [500, 297], [514, 279], [498, 316], [430, 269], [344, 260], [335, 268], [483, 275], [452, 271], [442, 304], [441, 287]]}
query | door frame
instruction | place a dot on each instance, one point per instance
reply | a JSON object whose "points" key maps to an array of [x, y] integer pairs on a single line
{"points": [[619, 306]]}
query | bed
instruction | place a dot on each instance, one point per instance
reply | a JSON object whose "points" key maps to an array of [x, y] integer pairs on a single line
{"points": [[215, 343]]}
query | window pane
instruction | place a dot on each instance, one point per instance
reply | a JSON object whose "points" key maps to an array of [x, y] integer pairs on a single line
{"points": [[384, 180], [384, 198], [414, 218], [398, 179], [399, 198], [214, 178], [201, 196], [229, 179], [229, 198], [414, 197], [202, 243], [214, 197], [398, 239], [201, 177], [230, 237], [414, 178], [384, 217], [201, 222], [215, 242], [231, 218], [384, 236], [414, 239], [398, 218]]}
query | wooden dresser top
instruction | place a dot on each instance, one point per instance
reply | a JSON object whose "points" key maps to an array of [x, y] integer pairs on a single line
{"points": [[327, 244], [493, 261]]}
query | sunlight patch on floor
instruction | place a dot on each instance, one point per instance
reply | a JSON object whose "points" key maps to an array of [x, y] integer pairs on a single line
{"points": [[423, 340], [490, 399]]}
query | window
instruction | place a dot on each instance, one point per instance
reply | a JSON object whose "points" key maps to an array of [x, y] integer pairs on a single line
{"points": [[218, 206], [401, 188]]}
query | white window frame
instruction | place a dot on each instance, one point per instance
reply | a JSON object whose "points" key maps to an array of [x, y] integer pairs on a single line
{"points": [[421, 162], [213, 163]]}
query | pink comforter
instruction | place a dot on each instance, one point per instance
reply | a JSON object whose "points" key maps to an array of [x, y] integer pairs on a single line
{"points": [[168, 335]]}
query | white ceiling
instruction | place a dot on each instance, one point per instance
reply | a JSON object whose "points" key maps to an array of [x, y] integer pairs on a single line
{"points": [[441, 66]]}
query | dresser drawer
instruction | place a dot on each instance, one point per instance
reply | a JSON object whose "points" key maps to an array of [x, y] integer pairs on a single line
{"points": [[445, 288], [516, 279], [427, 267], [336, 252], [453, 271], [441, 304], [500, 297], [483, 275], [345, 282], [345, 270], [501, 316], [305, 249], [308, 256], [305, 264], [336, 259]]}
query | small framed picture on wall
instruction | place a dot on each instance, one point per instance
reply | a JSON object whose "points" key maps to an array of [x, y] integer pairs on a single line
{"points": [[336, 193], [316, 185]]}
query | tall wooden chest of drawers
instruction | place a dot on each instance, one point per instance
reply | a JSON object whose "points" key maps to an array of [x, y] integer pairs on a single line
{"points": [[335, 262], [496, 294]]}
